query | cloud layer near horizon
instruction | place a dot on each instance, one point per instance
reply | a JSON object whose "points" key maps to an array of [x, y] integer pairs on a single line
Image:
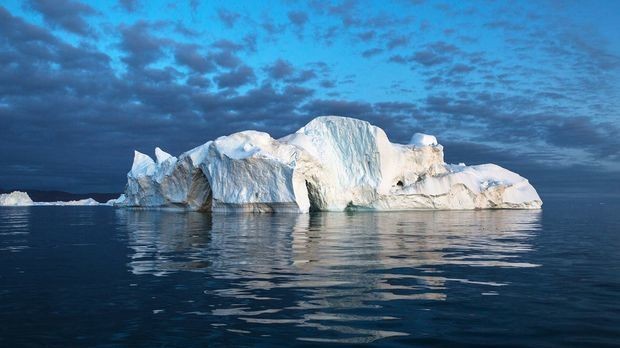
{"points": [[82, 85]]}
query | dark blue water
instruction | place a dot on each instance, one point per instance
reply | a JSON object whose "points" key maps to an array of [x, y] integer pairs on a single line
{"points": [[96, 276]]}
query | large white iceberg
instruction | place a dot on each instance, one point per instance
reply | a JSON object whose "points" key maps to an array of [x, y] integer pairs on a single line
{"points": [[331, 164]]}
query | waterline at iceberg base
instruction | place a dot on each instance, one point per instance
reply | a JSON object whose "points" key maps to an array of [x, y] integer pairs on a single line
{"points": [[331, 164]]}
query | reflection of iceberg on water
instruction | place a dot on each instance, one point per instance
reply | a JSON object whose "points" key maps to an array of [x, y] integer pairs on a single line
{"points": [[329, 262], [14, 229], [164, 242], [325, 241]]}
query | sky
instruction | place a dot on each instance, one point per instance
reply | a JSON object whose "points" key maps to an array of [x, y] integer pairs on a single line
{"points": [[532, 86]]}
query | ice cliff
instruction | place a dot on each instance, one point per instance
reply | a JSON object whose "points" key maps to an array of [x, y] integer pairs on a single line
{"points": [[331, 164]]}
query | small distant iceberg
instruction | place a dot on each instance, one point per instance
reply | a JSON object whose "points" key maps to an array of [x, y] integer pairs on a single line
{"points": [[22, 199], [15, 199], [87, 201]]}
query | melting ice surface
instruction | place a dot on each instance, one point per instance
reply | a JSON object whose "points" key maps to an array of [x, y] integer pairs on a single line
{"points": [[96, 276]]}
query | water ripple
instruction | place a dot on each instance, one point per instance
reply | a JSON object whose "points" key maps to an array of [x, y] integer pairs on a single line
{"points": [[340, 268], [14, 228]]}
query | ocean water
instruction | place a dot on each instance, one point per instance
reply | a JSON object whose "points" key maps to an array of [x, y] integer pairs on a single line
{"points": [[104, 277]]}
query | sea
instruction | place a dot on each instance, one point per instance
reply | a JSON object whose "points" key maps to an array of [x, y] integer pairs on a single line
{"points": [[109, 277]]}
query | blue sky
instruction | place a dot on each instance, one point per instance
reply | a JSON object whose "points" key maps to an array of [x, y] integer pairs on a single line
{"points": [[533, 86]]}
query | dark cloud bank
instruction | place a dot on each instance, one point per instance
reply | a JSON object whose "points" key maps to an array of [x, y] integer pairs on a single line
{"points": [[70, 121]]}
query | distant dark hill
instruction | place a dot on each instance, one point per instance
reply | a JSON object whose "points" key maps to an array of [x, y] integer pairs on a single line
{"points": [[52, 196]]}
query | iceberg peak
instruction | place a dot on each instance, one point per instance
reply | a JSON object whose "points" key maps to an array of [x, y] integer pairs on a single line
{"points": [[421, 139], [161, 155], [142, 164]]}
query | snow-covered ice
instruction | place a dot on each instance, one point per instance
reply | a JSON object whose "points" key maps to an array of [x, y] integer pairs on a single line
{"points": [[87, 201], [15, 198], [331, 164], [421, 139]]}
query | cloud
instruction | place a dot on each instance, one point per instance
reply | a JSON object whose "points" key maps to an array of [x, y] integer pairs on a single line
{"points": [[545, 100], [346, 11], [429, 57], [280, 69], [497, 117], [271, 29], [227, 45], [326, 35], [298, 19], [18, 32], [461, 69], [581, 132], [328, 84], [225, 54], [226, 59], [66, 14], [302, 76], [432, 54], [140, 46], [250, 42], [436, 53], [129, 5], [198, 81], [338, 107], [236, 78], [283, 70], [592, 47], [371, 52], [185, 31], [397, 41], [505, 25], [367, 35], [190, 56], [193, 5], [229, 18]]}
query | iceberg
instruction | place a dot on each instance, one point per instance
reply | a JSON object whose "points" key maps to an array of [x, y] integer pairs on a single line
{"points": [[22, 199], [15, 199], [87, 201], [331, 164]]}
